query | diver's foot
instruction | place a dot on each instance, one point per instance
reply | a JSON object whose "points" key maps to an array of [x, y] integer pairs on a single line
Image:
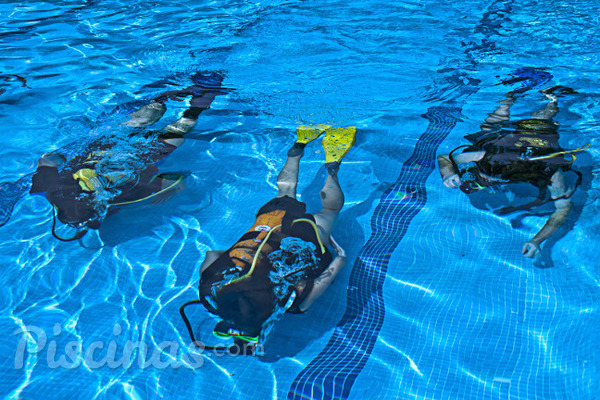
{"points": [[337, 143], [181, 126], [147, 115], [296, 150], [306, 134], [333, 168], [510, 99], [559, 90]]}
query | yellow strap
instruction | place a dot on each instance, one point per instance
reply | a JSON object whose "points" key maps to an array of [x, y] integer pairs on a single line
{"points": [[255, 258], [150, 196], [572, 152], [315, 227]]}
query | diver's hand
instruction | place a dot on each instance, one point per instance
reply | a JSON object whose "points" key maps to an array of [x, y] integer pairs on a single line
{"points": [[338, 249], [452, 181], [530, 249]]}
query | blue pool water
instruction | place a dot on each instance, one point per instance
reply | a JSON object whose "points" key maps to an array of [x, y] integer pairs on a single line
{"points": [[436, 301]]}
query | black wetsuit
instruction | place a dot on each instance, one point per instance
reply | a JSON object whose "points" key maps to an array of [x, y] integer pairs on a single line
{"points": [[75, 203], [528, 153], [246, 298], [508, 157]]}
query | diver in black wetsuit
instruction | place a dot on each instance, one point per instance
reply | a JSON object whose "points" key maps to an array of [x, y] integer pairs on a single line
{"points": [[525, 151], [282, 263], [82, 189]]}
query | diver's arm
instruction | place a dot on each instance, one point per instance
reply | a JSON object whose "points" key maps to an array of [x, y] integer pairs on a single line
{"points": [[323, 281], [211, 256], [50, 160], [46, 176], [558, 188], [449, 174]]}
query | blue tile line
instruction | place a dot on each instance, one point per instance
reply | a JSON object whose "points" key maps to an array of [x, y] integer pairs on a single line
{"points": [[332, 373]]}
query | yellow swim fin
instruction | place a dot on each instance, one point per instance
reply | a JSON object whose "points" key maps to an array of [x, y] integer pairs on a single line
{"points": [[307, 133], [337, 142]]}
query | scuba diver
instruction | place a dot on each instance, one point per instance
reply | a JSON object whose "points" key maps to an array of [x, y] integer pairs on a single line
{"points": [[282, 263], [112, 172], [525, 151]]}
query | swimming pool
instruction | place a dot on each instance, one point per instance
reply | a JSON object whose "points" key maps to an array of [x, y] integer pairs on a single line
{"points": [[436, 301]]}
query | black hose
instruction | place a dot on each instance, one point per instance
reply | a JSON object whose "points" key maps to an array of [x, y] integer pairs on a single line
{"points": [[191, 331], [77, 236]]}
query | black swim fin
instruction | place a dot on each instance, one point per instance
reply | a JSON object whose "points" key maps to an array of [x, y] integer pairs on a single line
{"points": [[559, 90]]}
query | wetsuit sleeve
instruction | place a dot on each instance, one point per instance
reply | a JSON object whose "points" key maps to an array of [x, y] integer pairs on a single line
{"points": [[44, 179]]}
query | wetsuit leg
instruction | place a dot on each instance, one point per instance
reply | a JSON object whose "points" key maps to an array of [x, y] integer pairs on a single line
{"points": [[287, 180], [332, 199]]}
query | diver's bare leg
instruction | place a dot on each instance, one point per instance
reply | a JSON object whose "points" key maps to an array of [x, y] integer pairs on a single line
{"points": [[147, 115], [152, 112], [332, 199], [202, 96], [500, 114], [287, 180], [187, 122], [549, 111]]}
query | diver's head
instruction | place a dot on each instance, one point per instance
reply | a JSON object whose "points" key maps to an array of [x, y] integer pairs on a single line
{"points": [[74, 207], [246, 311], [78, 220], [78, 214]]}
